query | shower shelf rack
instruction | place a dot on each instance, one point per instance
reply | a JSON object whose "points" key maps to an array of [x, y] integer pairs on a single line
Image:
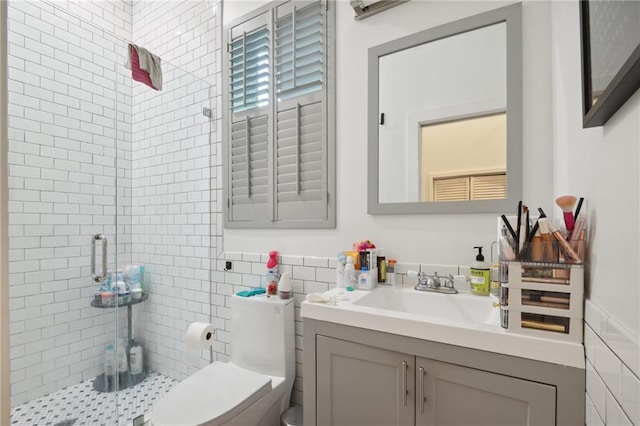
{"points": [[125, 380]]}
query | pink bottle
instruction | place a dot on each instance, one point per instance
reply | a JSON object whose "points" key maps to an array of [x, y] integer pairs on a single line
{"points": [[272, 274]]}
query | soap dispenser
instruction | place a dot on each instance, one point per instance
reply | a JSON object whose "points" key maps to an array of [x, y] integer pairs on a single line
{"points": [[480, 275]]}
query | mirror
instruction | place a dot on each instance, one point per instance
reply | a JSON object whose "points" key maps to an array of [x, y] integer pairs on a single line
{"points": [[610, 59], [445, 118]]}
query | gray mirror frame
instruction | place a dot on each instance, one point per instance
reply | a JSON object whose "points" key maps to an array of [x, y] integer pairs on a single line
{"points": [[512, 15]]}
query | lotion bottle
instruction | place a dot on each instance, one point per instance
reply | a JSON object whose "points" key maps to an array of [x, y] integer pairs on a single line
{"points": [[350, 274], [480, 274]]}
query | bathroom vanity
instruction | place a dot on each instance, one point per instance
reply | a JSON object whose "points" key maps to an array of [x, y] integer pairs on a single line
{"points": [[382, 365]]}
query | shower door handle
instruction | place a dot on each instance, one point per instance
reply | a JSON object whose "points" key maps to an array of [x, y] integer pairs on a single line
{"points": [[98, 277]]}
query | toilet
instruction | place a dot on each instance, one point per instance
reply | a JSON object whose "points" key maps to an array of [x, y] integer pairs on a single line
{"points": [[254, 388]]}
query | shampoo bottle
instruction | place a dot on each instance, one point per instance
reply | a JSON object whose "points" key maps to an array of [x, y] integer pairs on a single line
{"points": [[480, 274], [135, 357]]}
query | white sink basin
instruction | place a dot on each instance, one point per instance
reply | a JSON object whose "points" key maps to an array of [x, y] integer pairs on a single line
{"points": [[459, 319], [454, 308]]}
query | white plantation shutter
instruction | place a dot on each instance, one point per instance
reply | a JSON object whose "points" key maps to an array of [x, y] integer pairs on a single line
{"points": [[299, 50], [249, 169], [300, 156], [473, 187], [249, 65], [301, 163], [489, 187], [276, 132], [451, 189]]}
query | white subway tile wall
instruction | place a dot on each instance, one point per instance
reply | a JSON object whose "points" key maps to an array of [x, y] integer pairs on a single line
{"points": [[70, 114], [74, 109], [613, 370], [173, 149]]}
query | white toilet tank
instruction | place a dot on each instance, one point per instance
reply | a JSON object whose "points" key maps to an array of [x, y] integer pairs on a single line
{"points": [[262, 335]]}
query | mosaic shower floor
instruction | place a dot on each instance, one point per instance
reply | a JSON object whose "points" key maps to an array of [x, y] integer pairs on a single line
{"points": [[81, 405]]}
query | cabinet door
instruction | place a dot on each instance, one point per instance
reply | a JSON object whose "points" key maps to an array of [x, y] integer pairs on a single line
{"points": [[455, 395], [363, 385]]}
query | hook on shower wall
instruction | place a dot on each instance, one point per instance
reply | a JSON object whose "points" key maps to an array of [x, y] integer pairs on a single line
{"points": [[206, 112]]}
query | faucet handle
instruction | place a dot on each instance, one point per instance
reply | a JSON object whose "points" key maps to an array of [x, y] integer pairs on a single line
{"points": [[447, 281], [435, 280]]}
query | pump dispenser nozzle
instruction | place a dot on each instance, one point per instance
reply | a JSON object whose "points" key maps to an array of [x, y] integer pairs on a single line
{"points": [[479, 257]]}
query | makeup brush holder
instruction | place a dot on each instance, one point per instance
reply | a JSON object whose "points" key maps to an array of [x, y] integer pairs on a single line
{"points": [[542, 285], [544, 299]]}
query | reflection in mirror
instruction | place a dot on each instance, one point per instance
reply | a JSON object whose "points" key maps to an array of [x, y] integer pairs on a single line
{"points": [[446, 135], [461, 75], [464, 159]]}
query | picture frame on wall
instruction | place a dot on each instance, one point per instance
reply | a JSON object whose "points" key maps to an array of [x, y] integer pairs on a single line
{"points": [[610, 44]]}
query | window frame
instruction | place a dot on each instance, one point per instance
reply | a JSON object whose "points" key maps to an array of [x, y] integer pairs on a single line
{"points": [[270, 11]]}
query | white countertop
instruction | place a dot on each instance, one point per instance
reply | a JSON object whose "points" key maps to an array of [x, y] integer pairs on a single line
{"points": [[454, 329]]}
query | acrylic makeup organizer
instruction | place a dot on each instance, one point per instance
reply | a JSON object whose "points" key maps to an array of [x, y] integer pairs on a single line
{"points": [[542, 293]]}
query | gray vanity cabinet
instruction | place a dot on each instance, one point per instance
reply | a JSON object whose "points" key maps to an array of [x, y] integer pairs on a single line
{"points": [[365, 385], [358, 377], [456, 395]]}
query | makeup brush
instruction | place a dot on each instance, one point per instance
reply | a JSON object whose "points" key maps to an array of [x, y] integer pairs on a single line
{"points": [[547, 244], [577, 212], [518, 229], [566, 203], [568, 251]]}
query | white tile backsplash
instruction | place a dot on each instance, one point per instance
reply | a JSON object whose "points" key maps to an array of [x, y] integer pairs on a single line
{"points": [[631, 395], [613, 387]]}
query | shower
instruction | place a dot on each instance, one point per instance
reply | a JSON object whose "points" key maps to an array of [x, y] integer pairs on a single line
{"points": [[108, 179]]}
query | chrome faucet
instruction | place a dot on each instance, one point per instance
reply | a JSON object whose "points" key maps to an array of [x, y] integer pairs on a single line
{"points": [[435, 283]]}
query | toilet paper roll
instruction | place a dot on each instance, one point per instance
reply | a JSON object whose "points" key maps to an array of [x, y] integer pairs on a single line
{"points": [[199, 336]]}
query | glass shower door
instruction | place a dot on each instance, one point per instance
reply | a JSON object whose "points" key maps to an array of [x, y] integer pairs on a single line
{"points": [[67, 127]]}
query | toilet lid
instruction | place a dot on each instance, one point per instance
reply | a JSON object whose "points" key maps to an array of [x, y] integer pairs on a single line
{"points": [[214, 395]]}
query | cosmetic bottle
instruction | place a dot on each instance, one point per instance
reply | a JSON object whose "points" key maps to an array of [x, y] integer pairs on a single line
{"points": [[391, 272], [342, 262], [381, 262], [350, 273], [480, 275], [363, 279]]}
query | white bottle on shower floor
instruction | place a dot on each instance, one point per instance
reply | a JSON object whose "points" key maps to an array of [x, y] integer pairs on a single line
{"points": [[109, 361], [123, 365], [135, 357]]}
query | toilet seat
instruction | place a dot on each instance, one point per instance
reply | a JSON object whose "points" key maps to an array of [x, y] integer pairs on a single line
{"points": [[212, 396]]}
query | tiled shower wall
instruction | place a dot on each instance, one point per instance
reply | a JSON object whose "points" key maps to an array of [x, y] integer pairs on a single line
{"points": [[309, 275], [69, 103], [174, 147]]}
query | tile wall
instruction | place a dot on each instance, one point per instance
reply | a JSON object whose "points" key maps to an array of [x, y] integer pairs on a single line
{"points": [[613, 371], [71, 99], [309, 275], [174, 145], [69, 103]]}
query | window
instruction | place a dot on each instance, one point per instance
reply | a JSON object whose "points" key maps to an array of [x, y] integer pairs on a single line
{"points": [[279, 137]]}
